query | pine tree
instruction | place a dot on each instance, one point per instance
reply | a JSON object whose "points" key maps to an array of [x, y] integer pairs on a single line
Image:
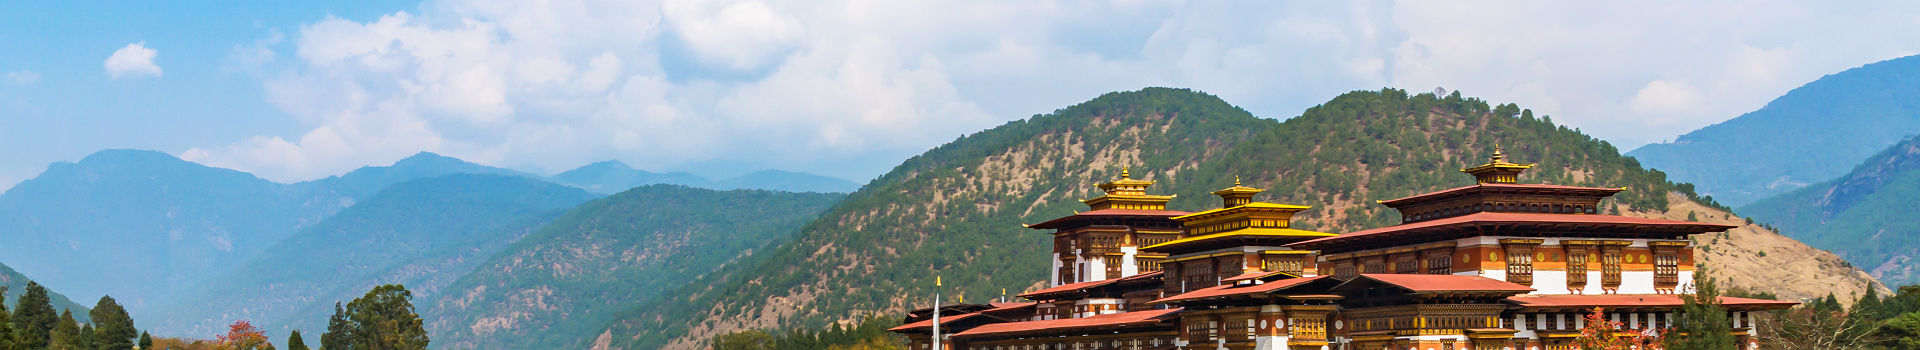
{"points": [[339, 333], [87, 334], [115, 330], [6, 323], [146, 341], [295, 343], [66, 335], [34, 318], [384, 319], [1702, 323]]}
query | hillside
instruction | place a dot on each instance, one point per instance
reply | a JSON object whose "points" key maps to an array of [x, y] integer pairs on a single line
{"points": [[567, 279], [956, 210], [15, 284], [1812, 134], [613, 176], [421, 233], [143, 225], [1864, 216]]}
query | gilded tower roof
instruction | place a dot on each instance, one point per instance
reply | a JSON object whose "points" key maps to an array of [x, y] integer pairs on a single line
{"points": [[1497, 170], [1127, 193]]}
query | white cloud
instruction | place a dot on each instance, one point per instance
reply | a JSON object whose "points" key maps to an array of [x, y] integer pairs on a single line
{"points": [[133, 60], [849, 88], [23, 77]]}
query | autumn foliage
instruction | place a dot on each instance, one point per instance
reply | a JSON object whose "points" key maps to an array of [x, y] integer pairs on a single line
{"points": [[1603, 334], [241, 335]]}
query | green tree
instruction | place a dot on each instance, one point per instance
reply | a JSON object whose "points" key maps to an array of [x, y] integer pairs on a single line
{"points": [[339, 330], [146, 341], [6, 323], [87, 334], [115, 328], [1902, 332], [294, 342], [383, 319], [66, 334], [1702, 322], [744, 340], [34, 318]]}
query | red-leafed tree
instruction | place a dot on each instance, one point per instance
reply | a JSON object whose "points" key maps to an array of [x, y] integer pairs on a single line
{"points": [[241, 335], [1603, 334]]}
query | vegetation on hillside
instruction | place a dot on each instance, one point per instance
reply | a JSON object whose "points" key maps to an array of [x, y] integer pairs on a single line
{"points": [[565, 281], [956, 210], [870, 334], [1873, 203]]}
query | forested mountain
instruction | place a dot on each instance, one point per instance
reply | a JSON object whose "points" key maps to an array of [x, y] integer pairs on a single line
{"points": [[143, 225], [1866, 216], [16, 284], [957, 210], [568, 279], [422, 233], [1812, 134], [613, 176]]}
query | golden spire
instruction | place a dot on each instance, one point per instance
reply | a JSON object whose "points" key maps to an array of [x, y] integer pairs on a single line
{"points": [[1237, 195], [1124, 174], [1236, 180], [1497, 169], [1127, 193]]}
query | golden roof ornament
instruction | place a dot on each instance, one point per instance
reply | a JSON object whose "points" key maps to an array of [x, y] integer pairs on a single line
{"points": [[1237, 195], [1127, 193], [1497, 169]]}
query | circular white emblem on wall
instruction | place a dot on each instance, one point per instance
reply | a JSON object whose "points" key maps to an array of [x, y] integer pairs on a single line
{"points": [[1337, 324]]}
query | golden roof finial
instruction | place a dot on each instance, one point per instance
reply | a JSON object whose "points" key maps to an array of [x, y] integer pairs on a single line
{"points": [[1497, 169], [1124, 174], [1236, 180], [1497, 156]]}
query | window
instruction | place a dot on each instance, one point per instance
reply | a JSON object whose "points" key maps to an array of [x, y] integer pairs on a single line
{"points": [[1293, 264], [1406, 264], [1520, 264], [1440, 263], [1344, 269], [1373, 265], [1148, 264], [1230, 266], [1113, 266], [1577, 257], [1610, 266], [1666, 268]]}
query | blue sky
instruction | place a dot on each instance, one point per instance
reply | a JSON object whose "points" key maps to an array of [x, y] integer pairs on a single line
{"points": [[300, 90]]}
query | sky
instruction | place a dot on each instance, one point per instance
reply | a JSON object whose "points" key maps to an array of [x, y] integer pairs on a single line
{"points": [[294, 91]]}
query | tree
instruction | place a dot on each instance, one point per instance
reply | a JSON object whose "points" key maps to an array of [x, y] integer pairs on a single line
{"points": [[34, 318], [743, 340], [339, 331], [87, 334], [1702, 322], [1603, 334], [66, 335], [295, 343], [6, 322], [1816, 327], [381, 320], [1902, 332], [146, 341], [241, 335], [114, 327]]}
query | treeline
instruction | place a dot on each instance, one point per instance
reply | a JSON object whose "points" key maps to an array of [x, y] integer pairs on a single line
{"points": [[869, 334], [35, 326], [383, 319], [1873, 322]]}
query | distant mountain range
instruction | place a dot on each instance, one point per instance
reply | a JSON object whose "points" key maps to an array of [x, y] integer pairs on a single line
{"points": [[613, 176], [16, 284], [1814, 133], [1865, 216], [421, 233]]}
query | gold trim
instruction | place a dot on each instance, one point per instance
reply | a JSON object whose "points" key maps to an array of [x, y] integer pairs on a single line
{"points": [[1522, 241], [1259, 232]]}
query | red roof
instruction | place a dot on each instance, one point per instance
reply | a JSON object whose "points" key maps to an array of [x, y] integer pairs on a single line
{"points": [[1655, 301], [1486, 218], [1445, 283], [1070, 287], [1498, 186], [1231, 290], [928, 323], [1108, 213], [1108, 320]]}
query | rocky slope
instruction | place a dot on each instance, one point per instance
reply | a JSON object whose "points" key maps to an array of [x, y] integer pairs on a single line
{"points": [[1865, 216]]}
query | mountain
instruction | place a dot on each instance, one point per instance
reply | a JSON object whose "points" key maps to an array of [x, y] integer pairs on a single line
{"points": [[421, 233], [143, 225], [956, 211], [613, 176], [1864, 215], [16, 285], [1812, 134], [789, 181], [569, 278]]}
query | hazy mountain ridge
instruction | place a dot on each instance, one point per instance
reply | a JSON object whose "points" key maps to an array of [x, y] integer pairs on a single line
{"points": [[613, 176], [1873, 205], [422, 233], [956, 210], [567, 279], [16, 285], [1814, 133]]}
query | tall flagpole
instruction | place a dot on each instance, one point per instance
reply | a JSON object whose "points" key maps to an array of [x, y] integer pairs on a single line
{"points": [[936, 312]]}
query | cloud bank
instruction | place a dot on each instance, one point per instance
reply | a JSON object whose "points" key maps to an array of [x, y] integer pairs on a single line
{"points": [[850, 88], [133, 60]]}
